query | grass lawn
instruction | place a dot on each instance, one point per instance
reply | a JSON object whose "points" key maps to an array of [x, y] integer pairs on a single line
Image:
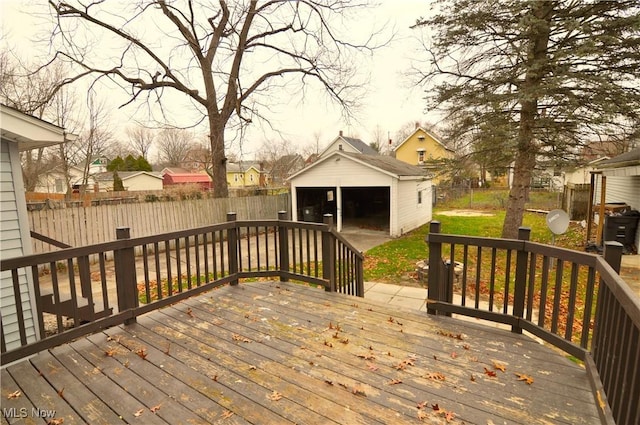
{"points": [[395, 261]]}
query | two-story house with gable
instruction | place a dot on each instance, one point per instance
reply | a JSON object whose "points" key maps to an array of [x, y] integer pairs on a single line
{"points": [[425, 150]]}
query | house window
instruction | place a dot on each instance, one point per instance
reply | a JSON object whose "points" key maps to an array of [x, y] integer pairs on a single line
{"points": [[60, 186], [251, 177], [419, 197], [235, 177], [420, 156]]}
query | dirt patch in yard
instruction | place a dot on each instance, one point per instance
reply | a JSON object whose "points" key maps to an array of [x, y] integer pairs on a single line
{"points": [[466, 213]]}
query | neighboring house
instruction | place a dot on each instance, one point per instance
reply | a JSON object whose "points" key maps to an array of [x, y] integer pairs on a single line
{"points": [[131, 180], [283, 167], [201, 179], [19, 132], [620, 176], [582, 174], [348, 144], [362, 191], [423, 149], [55, 180], [244, 174]]}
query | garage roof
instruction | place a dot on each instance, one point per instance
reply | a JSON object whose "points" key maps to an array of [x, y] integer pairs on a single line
{"points": [[383, 163]]}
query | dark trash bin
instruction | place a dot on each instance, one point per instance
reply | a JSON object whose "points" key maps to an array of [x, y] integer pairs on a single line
{"points": [[622, 228]]}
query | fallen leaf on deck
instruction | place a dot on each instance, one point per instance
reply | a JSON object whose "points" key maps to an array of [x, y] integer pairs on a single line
{"points": [[525, 378], [189, 312], [449, 416], [358, 391], [490, 373], [435, 407], [395, 382], [138, 413], [466, 346], [422, 405], [227, 414], [366, 356], [109, 352], [142, 353], [422, 415], [372, 367], [252, 367], [328, 344], [240, 338], [61, 392], [473, 378], [55, 421], [454, 355], [436, 376], [274, 396], [498, 366], [155, 408], [344, 340], [14, 394]]}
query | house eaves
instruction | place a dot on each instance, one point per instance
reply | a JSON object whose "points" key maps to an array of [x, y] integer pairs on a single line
{"points": [[30, 132], [437, 140], [381, 163]]}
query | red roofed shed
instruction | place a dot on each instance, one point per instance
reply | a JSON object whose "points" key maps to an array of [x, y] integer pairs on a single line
{"points": [[202, 180]]}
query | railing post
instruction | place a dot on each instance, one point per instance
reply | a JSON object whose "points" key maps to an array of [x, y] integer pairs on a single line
{"points": [[232, 246], [522, 257], [329, 254], [125, 270], [434, 280], [283, 240]]}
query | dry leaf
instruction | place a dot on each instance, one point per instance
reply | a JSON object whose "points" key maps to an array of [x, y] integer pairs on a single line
{"points": [[274, 396], [328, 344], [142, 353], [454, 355], [473, 378], [436, 376], [435, 407], [525, 378], [372, 367], [422, 415], [358, 391], [489, 373], [240, 338], [422, 405], [252, 367], [449, 416], [61, 392], [138, 413], [498, 366], [155, 408], [55, 421], [227, 414], [189, 312], [109, 352], [14, 394], [466, 346], [395, 382], [366, 356]]}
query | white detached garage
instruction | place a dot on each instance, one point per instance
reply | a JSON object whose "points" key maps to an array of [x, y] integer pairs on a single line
{"points": [[362, 191]]}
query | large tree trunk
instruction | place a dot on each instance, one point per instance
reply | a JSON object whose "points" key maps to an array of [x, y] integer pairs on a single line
{"points": [[218, 158], [537, 64]]}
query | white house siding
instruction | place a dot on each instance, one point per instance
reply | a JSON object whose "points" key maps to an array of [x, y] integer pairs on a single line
{"points": [[142, 182], [12, 215], [412, 214], [335, 146]]}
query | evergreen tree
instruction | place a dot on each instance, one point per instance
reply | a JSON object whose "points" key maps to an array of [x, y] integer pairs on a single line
{"points": [[118, 186], [534, 78]]}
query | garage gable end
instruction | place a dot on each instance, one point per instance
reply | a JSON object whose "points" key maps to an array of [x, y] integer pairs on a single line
{"points": [[341, 170]]}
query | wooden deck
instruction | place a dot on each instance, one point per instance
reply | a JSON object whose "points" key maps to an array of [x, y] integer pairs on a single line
{"points": [[277, 353]]}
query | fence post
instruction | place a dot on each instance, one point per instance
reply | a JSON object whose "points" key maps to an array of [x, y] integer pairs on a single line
{"points": [[232, 246], [434, 280], [522, 257], [329, 254], [283, 240], [125, 270]]}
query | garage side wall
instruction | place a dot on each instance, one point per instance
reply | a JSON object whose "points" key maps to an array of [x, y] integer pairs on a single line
{"points": [[414, 204]]}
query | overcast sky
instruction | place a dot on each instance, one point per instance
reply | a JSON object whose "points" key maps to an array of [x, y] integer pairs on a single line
{"points": [[390, 103]]}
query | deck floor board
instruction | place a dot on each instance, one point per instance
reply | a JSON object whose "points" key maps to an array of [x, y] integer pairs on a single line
{"points": [[271, 352]]}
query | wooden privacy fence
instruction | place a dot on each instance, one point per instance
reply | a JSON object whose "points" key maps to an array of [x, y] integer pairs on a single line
{"points": [[81, 226], [173, 266], [573, 300]]}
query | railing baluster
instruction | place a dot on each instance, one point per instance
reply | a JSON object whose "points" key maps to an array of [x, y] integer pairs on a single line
{"points": [[258, 248], [465, 262], [507, 282], [533, 262], [56, 295], [557, 296], [187, 254], [196, 241], [17, 293], [205, 249], [169, 276], [72, 290], [588, 307], [543, 290], [178, 265], [103, 281], [156, 255], [478, 275], [573, 289], [145, 266], [492, 281], [38, 300]]}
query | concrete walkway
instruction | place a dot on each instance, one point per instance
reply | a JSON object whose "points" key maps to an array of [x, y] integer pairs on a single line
{"points": [[401, 296]]}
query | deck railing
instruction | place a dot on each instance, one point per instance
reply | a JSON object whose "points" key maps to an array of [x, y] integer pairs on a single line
{"points": [[74, 296], [575, 301]]}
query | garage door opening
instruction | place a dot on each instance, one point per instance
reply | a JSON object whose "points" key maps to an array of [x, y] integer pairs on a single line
{"points": [[314, 202], [366, 208]]}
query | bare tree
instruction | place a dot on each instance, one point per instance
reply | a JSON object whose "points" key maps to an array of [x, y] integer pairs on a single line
{"points": [[174, 145], [97, 139], [140, 140], [225, 58]]}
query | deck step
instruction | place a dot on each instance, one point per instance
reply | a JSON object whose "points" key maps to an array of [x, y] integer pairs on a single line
{"points": [[86, 312]]}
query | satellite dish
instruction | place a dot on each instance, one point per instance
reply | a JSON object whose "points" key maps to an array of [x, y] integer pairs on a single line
{"points": [[557, 221]]}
